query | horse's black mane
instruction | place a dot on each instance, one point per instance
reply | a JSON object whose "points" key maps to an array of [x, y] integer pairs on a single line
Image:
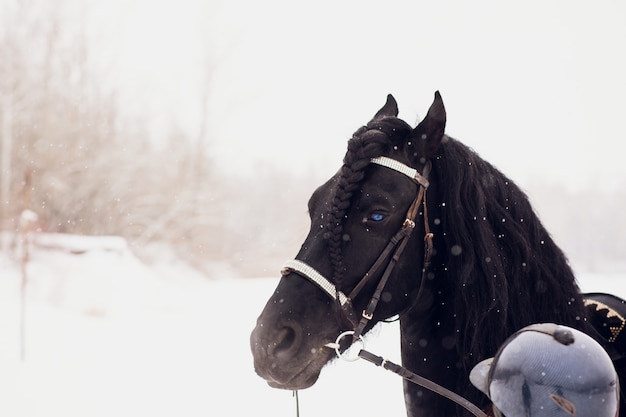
{"points": [[505, 268], [509, 269]]}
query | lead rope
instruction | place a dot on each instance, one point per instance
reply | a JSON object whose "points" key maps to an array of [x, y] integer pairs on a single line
{"points": [[421, 381], [403, 372]]}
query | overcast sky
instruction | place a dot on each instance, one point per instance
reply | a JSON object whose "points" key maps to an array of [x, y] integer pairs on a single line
{"points": [[536, 87]]}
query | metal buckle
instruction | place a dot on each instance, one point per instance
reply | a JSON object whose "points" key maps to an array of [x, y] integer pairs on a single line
{"points": [[367, 316], [408, 223]]}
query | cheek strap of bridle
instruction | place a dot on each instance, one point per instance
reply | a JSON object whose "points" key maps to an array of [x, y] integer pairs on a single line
{"points": [[399, 242]]}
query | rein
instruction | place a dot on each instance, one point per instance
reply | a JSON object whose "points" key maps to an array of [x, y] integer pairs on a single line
{"points": [[421, 381], [395, 247]]}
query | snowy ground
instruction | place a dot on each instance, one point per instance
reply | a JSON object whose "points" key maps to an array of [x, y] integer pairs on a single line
{"points": [[109, 336]]}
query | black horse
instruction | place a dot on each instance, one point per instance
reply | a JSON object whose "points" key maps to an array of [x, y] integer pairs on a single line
{"points": [[480, 265]]}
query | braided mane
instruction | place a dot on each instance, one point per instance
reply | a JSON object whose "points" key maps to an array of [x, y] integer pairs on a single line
{"points": [[374, 139]]}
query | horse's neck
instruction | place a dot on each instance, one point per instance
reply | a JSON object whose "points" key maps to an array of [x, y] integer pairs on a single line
{"points": [[429, 348], [428, 345]]}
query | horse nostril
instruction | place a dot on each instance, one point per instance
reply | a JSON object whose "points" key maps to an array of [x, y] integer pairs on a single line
{"points": [[287, 341]]}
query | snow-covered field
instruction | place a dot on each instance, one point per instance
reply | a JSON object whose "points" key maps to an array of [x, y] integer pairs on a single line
{"points": [[107, 335]]}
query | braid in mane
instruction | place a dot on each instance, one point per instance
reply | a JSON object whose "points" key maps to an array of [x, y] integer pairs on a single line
{"points": [[368, 142]]}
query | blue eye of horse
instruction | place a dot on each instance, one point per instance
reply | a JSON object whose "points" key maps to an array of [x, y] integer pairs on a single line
{"points": [[377, 217]]}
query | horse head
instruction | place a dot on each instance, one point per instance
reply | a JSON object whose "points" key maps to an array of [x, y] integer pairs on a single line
{"points": [[359, 219]]}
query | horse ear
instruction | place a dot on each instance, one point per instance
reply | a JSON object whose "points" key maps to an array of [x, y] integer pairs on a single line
{"points": [[429, 133], [390, 109]]}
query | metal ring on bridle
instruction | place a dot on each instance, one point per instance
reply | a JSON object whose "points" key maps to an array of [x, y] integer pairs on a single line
{"points": [[337, 346]]}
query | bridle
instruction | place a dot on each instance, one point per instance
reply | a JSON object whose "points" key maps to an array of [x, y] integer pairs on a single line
{"points": [[395, 247]]}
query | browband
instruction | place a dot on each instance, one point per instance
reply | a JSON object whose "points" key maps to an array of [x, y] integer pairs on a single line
{"points": [[403, 169]]}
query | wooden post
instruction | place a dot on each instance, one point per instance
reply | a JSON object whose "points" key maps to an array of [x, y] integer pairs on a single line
{"points": [[27, 219]]}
